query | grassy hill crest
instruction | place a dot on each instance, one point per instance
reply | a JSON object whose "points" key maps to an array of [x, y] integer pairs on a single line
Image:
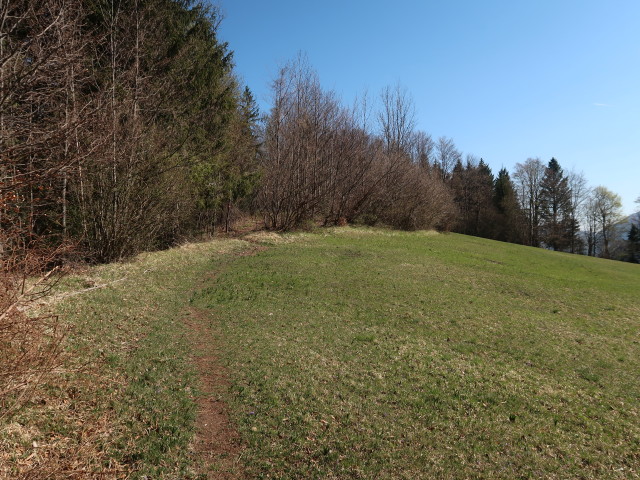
{"points": [[352, 353]]}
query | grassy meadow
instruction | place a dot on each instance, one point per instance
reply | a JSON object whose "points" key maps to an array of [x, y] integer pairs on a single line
{"points": [[380, 354], [350, 353]]}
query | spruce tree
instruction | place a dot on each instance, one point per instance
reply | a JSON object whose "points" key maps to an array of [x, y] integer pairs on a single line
{"points": [[472, 186], [633, 244], [555, 207], [509, 224]]}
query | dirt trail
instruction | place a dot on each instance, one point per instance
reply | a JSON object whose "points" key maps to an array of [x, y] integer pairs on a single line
{"points": [[217, 446]]}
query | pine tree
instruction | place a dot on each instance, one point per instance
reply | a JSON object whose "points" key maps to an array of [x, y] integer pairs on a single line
{"points": [[633, 245], [509, 224], [472, 186], [555, 207], [484, 206]]}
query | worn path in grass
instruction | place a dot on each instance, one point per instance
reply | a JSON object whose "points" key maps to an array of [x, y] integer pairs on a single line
{"points": [[216, 443], [140, 360]]}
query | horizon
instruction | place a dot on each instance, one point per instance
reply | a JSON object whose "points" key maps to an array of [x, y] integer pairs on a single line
{"points": [[506, 82]]}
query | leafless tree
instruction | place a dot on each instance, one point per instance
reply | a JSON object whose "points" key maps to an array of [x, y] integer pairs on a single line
{"points": [[579, 191], [422, 149], [447, 155], [300, 141], [165, 98], [592, 225], [528, 177], [416, 198], [396, 118], [321, 163], [41, 117], [351, 182], [41, 70], [606, 209]]}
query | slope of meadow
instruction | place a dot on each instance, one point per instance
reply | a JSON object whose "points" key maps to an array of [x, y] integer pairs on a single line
{"points": [[379, 354], [349, 353]]}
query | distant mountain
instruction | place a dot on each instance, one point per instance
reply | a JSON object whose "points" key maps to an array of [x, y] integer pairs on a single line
{"points": [[618, 242], [625, 224], [634, 217]]}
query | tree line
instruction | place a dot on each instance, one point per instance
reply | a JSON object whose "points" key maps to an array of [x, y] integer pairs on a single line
{"points": [[322, 161], [123, 128], [122, 125]]}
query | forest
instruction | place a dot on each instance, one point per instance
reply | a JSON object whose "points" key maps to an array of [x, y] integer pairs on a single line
{"points": [[123, 128]]}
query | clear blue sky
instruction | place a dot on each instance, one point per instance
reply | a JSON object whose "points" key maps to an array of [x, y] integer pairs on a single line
{"points": [[507, 80]]}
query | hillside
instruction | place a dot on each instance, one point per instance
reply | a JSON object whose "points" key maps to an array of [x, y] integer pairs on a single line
{"points": [[356, 353], [387, 355]]}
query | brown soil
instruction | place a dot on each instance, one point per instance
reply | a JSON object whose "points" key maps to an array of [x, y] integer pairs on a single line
{"points": [[217, 444]]}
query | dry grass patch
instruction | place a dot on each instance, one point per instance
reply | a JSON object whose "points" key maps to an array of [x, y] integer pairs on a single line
{"points": [[123, 403]]}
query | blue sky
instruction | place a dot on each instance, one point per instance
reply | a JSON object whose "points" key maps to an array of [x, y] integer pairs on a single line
{"points": [[507, 80]]}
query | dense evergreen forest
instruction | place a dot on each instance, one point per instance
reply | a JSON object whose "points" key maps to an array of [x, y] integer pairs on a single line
{"points": [[123, 128]]}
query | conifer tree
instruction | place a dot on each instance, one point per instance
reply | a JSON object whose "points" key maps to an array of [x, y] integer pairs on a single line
{"points": [[509, 222], [472, 187], [555, 207], [633, 244]]}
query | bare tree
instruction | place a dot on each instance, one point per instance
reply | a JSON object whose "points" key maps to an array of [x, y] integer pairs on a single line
{"points": [[166, 98], [41, 69], [300, 142], [606, 207], [321, 163], [396, 118], [528, 177], [447, 155], [351, 182], [422, 149], [579, 192], [591, 222]]}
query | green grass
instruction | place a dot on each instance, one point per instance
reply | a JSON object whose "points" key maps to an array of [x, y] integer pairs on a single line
{"points": [[124, 405], [352, 353], [136, 327], [378, 354]]}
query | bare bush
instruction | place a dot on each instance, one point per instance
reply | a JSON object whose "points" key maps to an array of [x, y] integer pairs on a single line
{"points": [[30, 345], [321, 163]]}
